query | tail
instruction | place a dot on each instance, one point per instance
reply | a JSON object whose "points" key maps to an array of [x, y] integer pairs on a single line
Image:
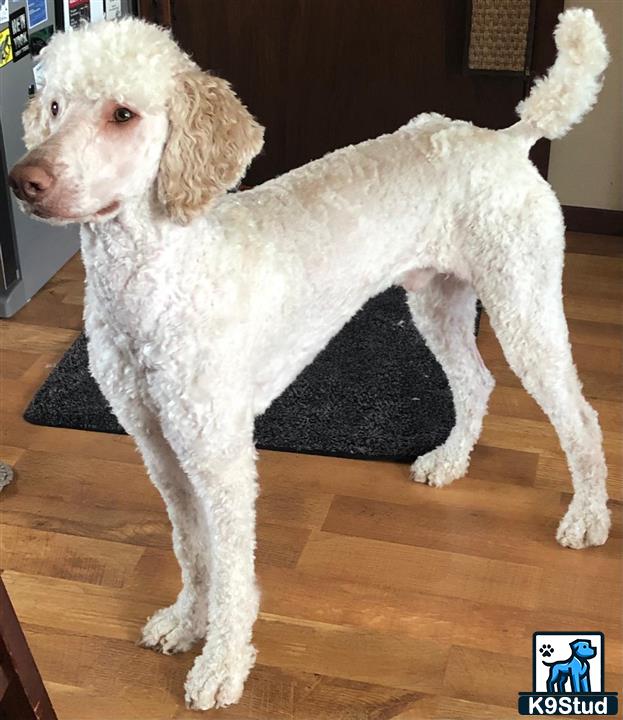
{"points": [[570, 89]]}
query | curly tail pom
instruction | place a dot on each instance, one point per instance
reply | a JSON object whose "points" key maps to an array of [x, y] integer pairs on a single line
{"points": [[570, 89]]}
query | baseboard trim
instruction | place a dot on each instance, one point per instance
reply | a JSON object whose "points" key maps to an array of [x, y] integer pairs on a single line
{"points": [[593, 220]]}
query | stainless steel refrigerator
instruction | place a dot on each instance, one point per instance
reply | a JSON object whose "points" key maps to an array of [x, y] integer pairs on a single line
{"points": [[31, 251]]}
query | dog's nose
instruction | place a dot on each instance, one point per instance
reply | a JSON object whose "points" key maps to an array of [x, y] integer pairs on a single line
{"points": [[30, 182]]}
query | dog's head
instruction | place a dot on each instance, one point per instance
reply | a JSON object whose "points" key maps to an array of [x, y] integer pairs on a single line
{"points": [[122, 113], [583, 649]]}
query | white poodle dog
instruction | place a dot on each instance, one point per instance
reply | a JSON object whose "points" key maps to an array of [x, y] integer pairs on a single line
{"points": [[202, 306]]}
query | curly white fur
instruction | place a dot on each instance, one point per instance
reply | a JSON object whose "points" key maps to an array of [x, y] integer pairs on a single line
{"points": [[570, 89], [196, 325]]}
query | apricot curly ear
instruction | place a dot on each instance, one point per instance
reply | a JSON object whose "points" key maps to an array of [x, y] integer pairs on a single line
{"points": [[212, 139]]}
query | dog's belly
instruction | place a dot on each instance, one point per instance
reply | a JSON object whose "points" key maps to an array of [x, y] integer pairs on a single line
{"points": [[309, 334], [415, 280]]}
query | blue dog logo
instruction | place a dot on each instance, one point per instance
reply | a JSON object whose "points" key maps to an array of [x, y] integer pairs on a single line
{"points": [[574, 686], [576, 669]]}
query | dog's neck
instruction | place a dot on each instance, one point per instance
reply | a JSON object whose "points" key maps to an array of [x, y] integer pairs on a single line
{"points": [[137, 229], [122, 258], [135, 215]]}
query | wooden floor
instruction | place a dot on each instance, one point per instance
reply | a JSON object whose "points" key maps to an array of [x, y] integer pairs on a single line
{"points": [[380, 598]]}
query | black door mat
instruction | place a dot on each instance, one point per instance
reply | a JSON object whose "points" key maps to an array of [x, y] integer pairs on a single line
{"points": [[375, 392]]}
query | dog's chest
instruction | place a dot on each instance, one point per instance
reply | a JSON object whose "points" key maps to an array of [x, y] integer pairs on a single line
{"points": [[128, 290], [133, 307]]}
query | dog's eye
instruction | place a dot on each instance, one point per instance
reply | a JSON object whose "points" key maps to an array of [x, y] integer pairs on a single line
{"points": [[122, 114], [54, 108]]}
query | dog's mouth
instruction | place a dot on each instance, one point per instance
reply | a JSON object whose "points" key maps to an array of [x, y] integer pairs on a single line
{"points": [[111, 208], [60, 216], [41, 212], [50, 215]]}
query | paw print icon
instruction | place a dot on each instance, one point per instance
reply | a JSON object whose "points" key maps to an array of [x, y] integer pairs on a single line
{"points": [[546, 650]]}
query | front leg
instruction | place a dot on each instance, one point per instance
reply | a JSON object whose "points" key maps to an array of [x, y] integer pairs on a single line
{"points": [[219, 673], [177, 627], [576, 681], [218, 455]]}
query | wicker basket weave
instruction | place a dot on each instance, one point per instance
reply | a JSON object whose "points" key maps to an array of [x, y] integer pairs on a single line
{"points": [[499, 35]]}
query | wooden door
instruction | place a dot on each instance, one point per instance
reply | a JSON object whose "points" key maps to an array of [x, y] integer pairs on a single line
{"points": [[321, 74]]}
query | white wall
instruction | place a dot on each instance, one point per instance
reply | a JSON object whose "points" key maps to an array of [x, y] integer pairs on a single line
{"points": [[586, 166]]}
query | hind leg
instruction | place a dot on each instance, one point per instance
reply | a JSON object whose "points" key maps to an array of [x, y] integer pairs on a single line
{"points": [[444, 312], [526, 312]]}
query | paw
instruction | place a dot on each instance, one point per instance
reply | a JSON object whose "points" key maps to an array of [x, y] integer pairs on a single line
{"points": [[168, 632], [439, 467], [584, 526], [215, 683], [546, 650]]}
